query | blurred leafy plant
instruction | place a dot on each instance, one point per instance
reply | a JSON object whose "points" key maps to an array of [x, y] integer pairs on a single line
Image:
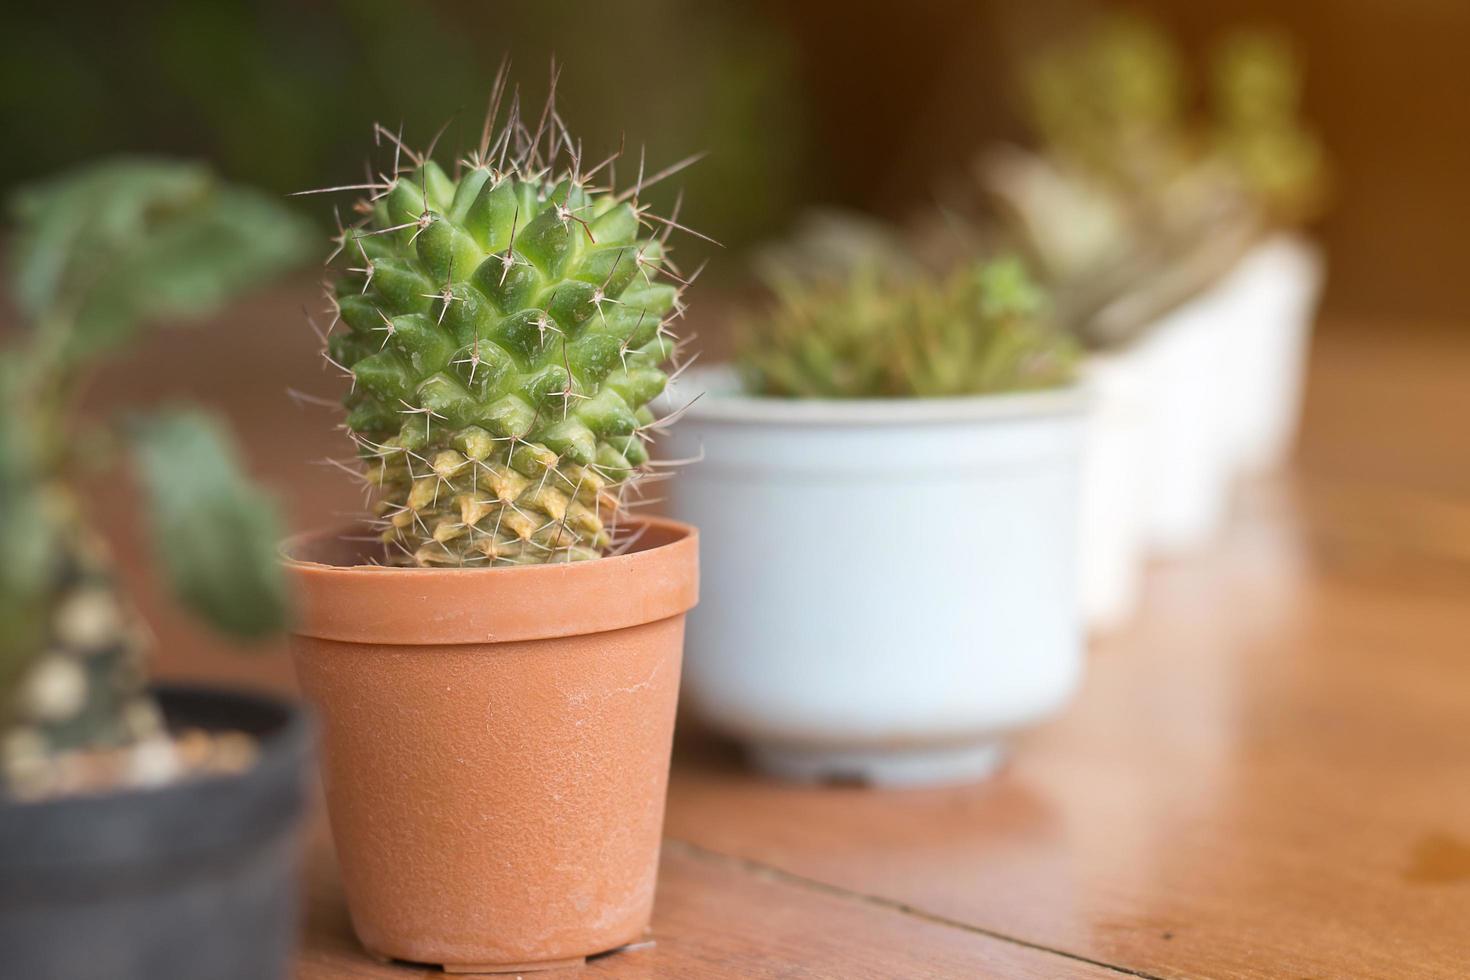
{"points": [[874, 333], [98, 255]]}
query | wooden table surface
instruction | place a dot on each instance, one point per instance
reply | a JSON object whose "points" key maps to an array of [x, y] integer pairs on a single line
{"points": [[1266, 775]]}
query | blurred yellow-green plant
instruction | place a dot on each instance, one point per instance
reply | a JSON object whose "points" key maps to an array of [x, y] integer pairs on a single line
{"points": [[1256, 95], [1112, 102], [1137, 198], [873, 333]]}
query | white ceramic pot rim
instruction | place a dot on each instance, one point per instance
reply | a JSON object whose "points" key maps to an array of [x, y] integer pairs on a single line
{"points": [[722, 403]]}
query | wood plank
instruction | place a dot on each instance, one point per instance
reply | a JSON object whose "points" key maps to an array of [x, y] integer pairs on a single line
{"points": [[1266, 775], [1269, 775], [719, 918], [1387, 405]]}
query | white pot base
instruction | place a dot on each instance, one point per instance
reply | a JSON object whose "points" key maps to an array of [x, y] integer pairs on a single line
{"points": [[927, 766]]}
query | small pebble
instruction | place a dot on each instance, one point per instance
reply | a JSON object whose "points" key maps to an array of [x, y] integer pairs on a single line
{"points": [[89, 618], [55, 689]]}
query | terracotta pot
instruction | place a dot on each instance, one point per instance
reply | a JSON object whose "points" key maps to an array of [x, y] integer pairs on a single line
{"points": [[495, 746]]}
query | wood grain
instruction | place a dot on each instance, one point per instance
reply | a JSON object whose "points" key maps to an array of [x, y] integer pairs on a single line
{"points": [[723, 919], [1267, 775]]}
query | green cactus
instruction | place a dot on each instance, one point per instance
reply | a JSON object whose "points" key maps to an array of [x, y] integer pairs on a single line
{"points": [[1112, 101], [98, 254], [1134, 204], [872, 334], [505, 331], [1257, 98]]}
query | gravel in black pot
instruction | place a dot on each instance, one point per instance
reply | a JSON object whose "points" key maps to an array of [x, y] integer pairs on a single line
{"points": [[194, 880]]}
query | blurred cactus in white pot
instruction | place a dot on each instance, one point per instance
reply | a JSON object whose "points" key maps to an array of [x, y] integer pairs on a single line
{"points": [[1276, 285], [887, 493], [1164, 238]]}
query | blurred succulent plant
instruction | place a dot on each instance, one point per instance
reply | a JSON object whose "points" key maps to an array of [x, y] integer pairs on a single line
{"points": [[1111, 101], [1256, 88], [1133, 206], [98, 255], [1113, 268], [826, 245], [873, 333], [506, 328]]}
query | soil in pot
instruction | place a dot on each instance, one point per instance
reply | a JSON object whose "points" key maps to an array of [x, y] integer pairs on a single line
{"points": [[196, 878]]}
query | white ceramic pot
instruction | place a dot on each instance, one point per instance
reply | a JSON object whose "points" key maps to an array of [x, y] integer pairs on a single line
{"points": [[1272, 301], [1111, 556], [1188, 458], [889, 587]]}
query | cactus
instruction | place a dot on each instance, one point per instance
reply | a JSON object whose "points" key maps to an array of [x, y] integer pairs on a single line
{"points": [[99, 253], [1133, 205], [505, 331], [1111, 102], [873, 334], [1257, 95], [1111, 211]]}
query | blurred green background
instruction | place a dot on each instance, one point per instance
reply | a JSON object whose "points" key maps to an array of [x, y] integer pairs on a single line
{"points": [[283, 94], [855, 102]]}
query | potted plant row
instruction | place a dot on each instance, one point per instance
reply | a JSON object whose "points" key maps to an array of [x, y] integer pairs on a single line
{"points": [[1167, 242], [144, 831], [495, 652], [887, 492]]}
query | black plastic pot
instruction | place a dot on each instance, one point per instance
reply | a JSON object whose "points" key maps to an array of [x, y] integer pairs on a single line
{"points": [[196, 880]]}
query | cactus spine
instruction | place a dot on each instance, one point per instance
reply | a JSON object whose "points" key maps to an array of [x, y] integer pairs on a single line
{"points": [[505, 331]]}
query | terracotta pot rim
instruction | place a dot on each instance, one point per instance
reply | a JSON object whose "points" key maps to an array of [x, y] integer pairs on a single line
{"points": [[390, 605]]}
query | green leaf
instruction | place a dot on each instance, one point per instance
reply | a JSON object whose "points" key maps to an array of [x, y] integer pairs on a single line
{"points": [[28, 547], [214, 532], [107, 247], [70, 223]]}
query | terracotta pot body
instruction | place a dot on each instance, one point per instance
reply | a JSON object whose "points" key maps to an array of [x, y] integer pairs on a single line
{"points": [[495, 747]]}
